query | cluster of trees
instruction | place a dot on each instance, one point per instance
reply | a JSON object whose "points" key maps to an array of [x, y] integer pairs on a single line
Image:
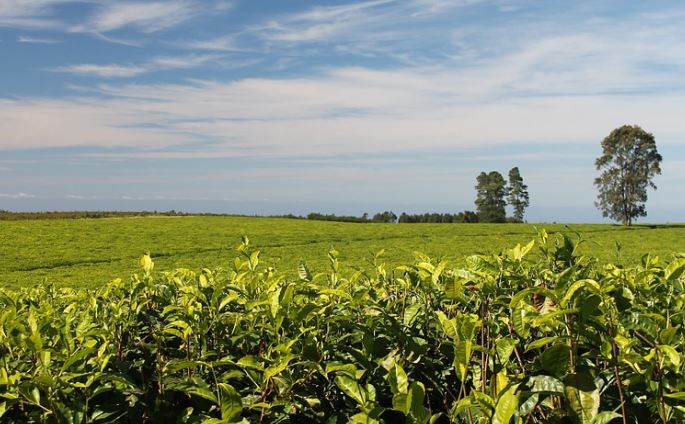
{"points": [[628, 164], [460, 218], [384, 217], [389, 217], [493, 193], [332, 217]]}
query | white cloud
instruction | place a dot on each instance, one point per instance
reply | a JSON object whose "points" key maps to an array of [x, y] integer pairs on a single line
{"points": [[180, 62], [110, 70], [224, 43], [37, 40], [427, 7], [146, 17], [365, 22], [322, 22], [30, 13], [558, 88], [81, 197], [345, 111], [19, 195], [126, 71]]}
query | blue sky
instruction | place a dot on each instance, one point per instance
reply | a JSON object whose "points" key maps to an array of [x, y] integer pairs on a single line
{"points": [[266, 107]]}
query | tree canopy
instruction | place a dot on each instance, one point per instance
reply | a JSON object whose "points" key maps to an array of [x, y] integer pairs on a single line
{"points": [[517, 194], [629, 162], [490, 203]]}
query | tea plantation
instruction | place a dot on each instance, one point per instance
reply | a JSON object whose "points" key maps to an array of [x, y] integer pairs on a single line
{"points": [[215, 328], [91, 252]]}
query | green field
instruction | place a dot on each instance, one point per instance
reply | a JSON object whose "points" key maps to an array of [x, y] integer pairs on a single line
{"points": [[91, 252], [527, 336]]}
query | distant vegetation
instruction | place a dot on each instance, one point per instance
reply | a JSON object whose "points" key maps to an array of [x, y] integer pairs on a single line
{"points": [[11, 216]]}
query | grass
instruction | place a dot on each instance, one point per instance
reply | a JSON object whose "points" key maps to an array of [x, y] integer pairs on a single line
{"points": [[91, 252]]}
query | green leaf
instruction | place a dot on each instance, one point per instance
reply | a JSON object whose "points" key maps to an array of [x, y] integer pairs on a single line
{"points": [[555, 359], [675, 269], [231, 404], [398, 380], [543, 384], [506, 406], [542, 342], [606, 417], [399, 403], [362, 418], [591, 284], [462, 355], [254, 259], [435, 276], [505, 347], [448, 325], [279, 367], [193, 390], [518, 321], [453, 288], [303, 272], [671, 354], [415, 398], [250, 362], [525, 293], [677, 395], [274, 301], [486, 402], [351, 388], [518, 252], [411, 313], [146, 263], [583, 396], [349, 369]]}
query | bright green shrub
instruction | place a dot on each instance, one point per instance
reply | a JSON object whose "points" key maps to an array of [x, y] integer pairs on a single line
{"points": [[504, 339]]}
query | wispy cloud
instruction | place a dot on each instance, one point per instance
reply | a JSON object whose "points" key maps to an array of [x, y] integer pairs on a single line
{"points": [[30, 13], [542, 86], [180, 62], [80, 197], [224, 43], [107, 71], [20, 195], [146, 17], [366, 22], [322, 22], [37, 40], [427, 7], [131, 70]]}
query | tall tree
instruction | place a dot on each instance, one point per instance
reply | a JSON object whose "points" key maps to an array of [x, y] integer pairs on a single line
{"points": [[629, 162], [517, 194], [491, 189]]}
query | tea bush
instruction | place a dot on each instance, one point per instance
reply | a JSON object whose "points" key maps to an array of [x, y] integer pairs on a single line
{"points": [[561, 338]]}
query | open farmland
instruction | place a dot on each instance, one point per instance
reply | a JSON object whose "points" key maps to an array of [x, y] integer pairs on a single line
{"points": [[536, 334], [91, 252]]}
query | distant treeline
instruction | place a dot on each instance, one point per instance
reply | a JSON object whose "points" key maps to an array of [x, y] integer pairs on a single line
{"points": [[404, 218], [382, 217], [465, 217], [15, 216]]}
